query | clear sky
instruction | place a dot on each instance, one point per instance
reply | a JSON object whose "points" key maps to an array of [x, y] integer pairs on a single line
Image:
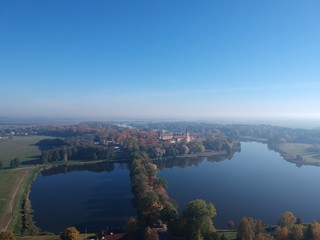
{"points": [[168, 59]]}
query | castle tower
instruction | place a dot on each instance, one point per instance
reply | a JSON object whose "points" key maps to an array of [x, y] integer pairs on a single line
{"points": [[188, 138]]}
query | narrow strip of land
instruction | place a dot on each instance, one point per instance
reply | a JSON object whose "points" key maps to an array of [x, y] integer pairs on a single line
{"points": [[5, 222]]}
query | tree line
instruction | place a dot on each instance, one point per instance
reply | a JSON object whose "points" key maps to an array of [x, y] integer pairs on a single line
{"points": [[288, 228], [114, 143]]}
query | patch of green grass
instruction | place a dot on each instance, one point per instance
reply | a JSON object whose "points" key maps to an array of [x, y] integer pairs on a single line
{"points": [[301, 149], [8, 179], [19, 208], [22, 147], [231, 235]]}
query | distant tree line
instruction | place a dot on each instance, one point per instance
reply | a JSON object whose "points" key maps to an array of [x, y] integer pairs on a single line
{"points": [[114, 143]]}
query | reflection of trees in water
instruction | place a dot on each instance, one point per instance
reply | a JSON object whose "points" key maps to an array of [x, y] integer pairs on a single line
{"points": [[184, 162], [219, 158], [178, 162], [96, 167]]}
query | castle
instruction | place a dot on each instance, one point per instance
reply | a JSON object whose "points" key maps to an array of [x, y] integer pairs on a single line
{"points": [[174, 138]]}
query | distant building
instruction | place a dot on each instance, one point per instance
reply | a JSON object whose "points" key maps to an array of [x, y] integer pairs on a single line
{"points": [[174, 138], [162, 135]]}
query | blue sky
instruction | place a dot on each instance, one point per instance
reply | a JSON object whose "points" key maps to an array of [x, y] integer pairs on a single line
{"points": [[160, 59]]}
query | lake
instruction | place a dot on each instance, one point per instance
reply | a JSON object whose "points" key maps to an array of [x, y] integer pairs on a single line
{"points": [[256, 182], [88, 197]]}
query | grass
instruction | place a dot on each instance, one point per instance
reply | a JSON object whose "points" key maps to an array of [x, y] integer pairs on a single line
{"points": [[9, 180], [22, 212], [230, 235], [22, 147], [301, 149]]}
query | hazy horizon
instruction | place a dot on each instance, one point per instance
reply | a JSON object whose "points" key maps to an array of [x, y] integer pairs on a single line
{"points": [[204, 60], [304, 123]]}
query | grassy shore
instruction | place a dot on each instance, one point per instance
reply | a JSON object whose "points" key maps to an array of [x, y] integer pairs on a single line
{"points": [[15, 183], [12, 187], [22, 220], [292, 151]]}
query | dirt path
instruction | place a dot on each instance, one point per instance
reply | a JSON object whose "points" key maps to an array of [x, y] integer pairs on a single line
{"points": [[12, 199]]}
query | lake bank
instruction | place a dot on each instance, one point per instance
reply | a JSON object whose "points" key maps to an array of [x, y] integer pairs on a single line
{"points": [[298, 153]]}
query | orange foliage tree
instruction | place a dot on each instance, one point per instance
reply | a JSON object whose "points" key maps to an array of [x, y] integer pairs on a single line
{"points": [[70, 233]]}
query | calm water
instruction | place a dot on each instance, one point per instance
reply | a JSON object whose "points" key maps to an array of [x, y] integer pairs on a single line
{"points": [[256, 182], [91, 200]]}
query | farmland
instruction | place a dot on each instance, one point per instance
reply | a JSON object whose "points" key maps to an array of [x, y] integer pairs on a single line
{"points": [[22, 147], [15, 182], [308, 157]]}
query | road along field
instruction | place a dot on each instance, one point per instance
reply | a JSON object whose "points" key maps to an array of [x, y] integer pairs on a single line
{"points": [[15, 183]]}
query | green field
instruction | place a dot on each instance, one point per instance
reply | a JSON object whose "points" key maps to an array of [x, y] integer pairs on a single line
{"points": [[15, 182], [12, 187], [8, 179], [301, 149], [22, 147]]}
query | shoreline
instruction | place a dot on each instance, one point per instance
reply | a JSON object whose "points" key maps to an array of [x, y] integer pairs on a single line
{"points": [[298, 158]]}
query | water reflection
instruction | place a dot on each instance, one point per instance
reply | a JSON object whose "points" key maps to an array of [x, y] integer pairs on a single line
{"points": [[96, 167], [184, 162], [257, 182]]}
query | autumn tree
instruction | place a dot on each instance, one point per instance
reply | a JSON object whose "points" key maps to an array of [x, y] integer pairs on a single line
{"points": [[297, 232], [282, 233], [7, 235], [70, 233], [132, 224], [313, 231], [151, 234], [250, 229], [287, 219], [246, 229], [198, 215], [262, 236]]}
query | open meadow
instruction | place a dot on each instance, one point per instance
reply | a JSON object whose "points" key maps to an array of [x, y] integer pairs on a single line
{"points": [[15, 182], [22, 147], [302, 149]]}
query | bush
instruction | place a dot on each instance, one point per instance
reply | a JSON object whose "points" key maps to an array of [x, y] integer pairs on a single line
{"points": [[7, 235], [70, 233]]}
